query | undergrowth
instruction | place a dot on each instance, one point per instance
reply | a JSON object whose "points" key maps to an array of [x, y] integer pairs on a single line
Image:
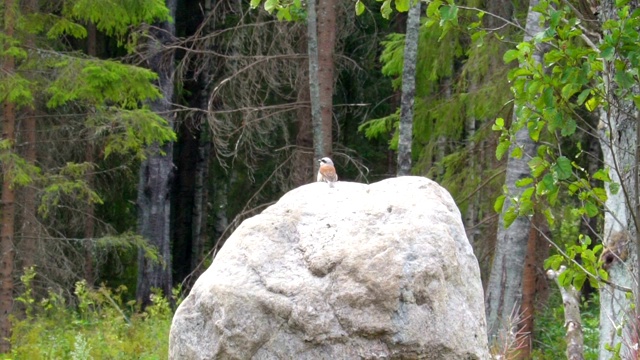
{"points": [[549, 334], [99, 326]]}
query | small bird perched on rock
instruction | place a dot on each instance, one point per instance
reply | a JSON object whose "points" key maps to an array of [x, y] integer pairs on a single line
{"points": [[327, 172]]}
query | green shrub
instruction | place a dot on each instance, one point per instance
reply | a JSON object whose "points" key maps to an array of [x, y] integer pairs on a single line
{"points": [[100, 326]]}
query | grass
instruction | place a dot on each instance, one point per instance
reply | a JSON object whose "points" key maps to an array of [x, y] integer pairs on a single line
{"points": [[99, 326]]}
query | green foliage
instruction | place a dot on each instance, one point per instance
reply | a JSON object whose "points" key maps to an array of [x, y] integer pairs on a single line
{"points": [[129, 240], [100, 326], [97, 82], [550, 96], [549, 330], [69, 182]]}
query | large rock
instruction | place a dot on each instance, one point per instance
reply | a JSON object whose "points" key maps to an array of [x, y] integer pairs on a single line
{"points": [[353, 272]]}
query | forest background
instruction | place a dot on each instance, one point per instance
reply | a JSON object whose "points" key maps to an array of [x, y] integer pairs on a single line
{"points": [[137, 135]]}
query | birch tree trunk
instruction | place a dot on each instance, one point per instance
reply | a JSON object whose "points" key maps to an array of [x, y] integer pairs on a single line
{"points": [[504, 289], [7, 203], [156, 175], [618, 140], [408, 89]]}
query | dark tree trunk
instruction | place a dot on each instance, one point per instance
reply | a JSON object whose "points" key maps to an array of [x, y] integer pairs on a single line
{"points": [[156, 174], [90, 223], [303, 163], [7, 205], [184, 201]]}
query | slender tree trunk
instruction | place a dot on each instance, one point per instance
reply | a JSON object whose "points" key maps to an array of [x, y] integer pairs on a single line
{"points": [[326, 49], [618, 141], [321, 35], [90, 222], [303, 164], [408, 89], [200, 196], [7, 205], [529, 278], [29, 222], [314, 82], [504, 290], [156, 174]]}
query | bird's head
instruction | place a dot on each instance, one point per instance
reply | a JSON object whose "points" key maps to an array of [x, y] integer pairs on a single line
{"points": [[326, 160]]}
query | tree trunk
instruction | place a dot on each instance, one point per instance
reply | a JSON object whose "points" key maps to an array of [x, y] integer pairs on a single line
{"points": [[326, 68], [29, 222], [200, 197], [321, 31], [90, 222], [408, 89], [303, 164], [572, 320], [618, 141], [529, 288], [156, 174], [7, 205], [314, 85], [504, 290]]}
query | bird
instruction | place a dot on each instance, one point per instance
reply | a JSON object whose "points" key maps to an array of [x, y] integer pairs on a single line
{"points": [[327, 172]]}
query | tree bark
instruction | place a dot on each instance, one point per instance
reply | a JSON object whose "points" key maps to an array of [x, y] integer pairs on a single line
{"points": [[408, 89], [7, 205], [618, 141], [156, 174], [321, 32], [504, 289], [326, 68], [90, 222], [29, 222], [572, 319]]}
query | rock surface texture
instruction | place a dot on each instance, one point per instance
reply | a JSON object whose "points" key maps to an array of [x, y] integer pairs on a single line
{"points": [[380, 271]]}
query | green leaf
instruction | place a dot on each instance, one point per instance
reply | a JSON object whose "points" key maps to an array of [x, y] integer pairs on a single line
{"points": [[565, 278], [498, 125], [359, 7], [591, 209], [254, 3], [579, 279], [517, 152], [614, 188], [403, 5], [592, 103], [569, 89], [562, 168], [569, 127], [553, 262], [548, 214], [583, 96], [524, 182], [385, 10], [537, 166], [509, 216], [502, 148], [497, 206], [270, 5], [510, 55], [602, 175]]}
